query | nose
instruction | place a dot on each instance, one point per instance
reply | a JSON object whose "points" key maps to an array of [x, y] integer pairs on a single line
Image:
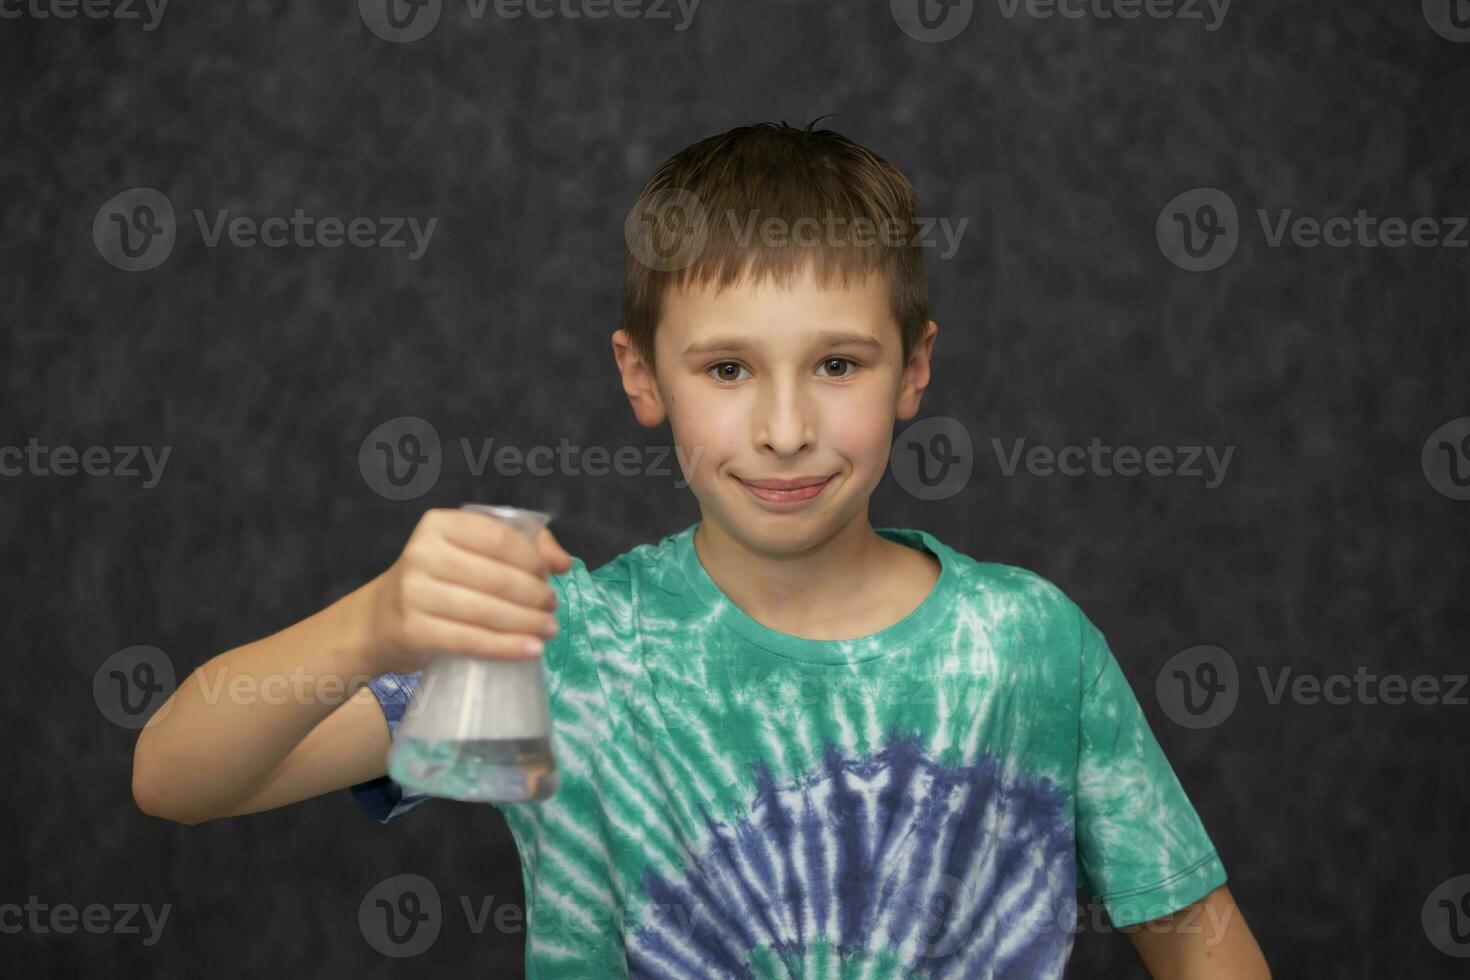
{"points": [[784, 419]]}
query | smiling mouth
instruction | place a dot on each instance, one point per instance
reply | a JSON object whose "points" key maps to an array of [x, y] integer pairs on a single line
{"points": [[794, 491]]}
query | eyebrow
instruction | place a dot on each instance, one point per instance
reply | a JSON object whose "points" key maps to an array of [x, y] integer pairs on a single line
{"points": [[828, 338]]}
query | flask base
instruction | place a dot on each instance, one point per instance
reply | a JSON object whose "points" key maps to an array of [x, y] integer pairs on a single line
{"points": [[521, 770]]}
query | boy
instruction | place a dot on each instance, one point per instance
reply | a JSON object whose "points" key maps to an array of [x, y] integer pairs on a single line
{"points": [[790, 744]]}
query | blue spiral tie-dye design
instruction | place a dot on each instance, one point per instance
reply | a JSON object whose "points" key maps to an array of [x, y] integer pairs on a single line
{"points": [[931, 816]]}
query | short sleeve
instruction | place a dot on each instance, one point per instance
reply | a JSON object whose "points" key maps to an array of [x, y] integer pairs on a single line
{"points": [[1141, 847], [383, 799]]}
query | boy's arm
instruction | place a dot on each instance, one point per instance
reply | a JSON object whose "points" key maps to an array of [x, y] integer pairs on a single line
{"points": [[1209, 940], [299, 722], [286, 718]]}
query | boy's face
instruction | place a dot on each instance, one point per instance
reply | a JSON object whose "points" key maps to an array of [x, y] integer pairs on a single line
{"points": [[763, 383]]}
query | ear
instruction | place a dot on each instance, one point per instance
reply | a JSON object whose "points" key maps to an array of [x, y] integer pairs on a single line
{"points": [[638, 382], [916, 373]]}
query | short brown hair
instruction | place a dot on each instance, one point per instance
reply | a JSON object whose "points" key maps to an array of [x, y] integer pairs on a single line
{"points": [[765, 171]]}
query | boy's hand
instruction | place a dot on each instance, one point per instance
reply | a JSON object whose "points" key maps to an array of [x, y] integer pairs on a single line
{"points": [[465, 583]]}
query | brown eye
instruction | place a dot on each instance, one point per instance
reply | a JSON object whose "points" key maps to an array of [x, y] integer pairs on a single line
{"points": [[841, 372], [721, 373]]}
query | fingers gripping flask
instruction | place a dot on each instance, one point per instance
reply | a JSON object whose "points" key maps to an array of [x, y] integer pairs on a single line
{"points": [[479, 730]]}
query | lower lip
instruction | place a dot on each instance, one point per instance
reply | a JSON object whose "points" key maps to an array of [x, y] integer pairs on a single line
{"points": [[786, 498]]}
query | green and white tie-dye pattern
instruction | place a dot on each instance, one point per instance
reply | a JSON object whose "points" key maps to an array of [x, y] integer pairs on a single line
{"points": [[921, 802]]}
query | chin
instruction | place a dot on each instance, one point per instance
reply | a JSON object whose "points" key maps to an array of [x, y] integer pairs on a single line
{"points": [[777, 531]]}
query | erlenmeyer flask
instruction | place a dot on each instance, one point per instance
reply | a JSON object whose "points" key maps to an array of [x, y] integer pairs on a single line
{"points": [[476, 729]]}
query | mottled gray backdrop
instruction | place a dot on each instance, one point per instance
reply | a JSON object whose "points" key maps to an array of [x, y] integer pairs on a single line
{"points": [[1335, 540]]}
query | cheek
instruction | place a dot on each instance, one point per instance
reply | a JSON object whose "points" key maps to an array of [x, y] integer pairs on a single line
{"points": [[861, 434], [707, 435]]}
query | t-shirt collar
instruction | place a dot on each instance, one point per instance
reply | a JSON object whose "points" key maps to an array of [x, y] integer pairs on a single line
{"points": [[708, 595]]}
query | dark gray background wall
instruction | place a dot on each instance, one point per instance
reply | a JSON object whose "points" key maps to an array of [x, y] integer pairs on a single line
{"points": [[1326, 548]]}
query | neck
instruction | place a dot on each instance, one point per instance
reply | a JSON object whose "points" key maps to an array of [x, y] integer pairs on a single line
{"points": [[795, 591]]}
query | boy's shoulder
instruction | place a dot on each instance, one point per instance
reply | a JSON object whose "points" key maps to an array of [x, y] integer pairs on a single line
{"points": [[1007, 592], [659, 565], [664, 559]]}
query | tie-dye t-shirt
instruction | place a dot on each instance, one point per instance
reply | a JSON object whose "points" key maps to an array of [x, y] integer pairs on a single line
{"points": [[924, 801]]}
